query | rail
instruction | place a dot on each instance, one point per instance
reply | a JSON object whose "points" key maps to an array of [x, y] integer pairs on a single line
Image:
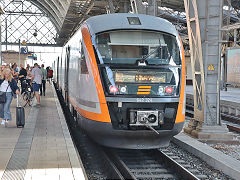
{"points": [[151, 164]]}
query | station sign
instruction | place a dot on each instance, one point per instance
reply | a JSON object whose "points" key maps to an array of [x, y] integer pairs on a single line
{"points": [[24, 50], [33, 56]]}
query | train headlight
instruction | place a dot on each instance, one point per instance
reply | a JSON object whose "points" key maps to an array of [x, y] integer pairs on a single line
{"points": [[161, 90], [123, 89], [113, 89], [169, 90]]}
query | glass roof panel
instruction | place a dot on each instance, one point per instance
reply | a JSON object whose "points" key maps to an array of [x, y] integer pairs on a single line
{"points": [[25, 21]]}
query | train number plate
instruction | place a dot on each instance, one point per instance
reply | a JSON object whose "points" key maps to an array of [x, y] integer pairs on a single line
{"points": [[144, 100]]}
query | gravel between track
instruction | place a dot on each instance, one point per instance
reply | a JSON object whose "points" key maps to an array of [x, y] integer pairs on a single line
{"points": [[197, 163]]}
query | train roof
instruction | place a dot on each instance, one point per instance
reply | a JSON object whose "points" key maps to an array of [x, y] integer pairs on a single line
{"points": [[120, 21]]}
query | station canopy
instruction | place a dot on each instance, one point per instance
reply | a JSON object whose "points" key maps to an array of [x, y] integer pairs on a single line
{"points": [[59, 19]]}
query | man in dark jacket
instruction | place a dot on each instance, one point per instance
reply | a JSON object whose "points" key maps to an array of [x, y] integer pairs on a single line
{"points": [[22, 75]]}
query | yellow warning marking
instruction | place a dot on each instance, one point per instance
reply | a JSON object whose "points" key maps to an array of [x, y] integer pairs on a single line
{"points": [[211, 68], [143, 93], [144, 89]]}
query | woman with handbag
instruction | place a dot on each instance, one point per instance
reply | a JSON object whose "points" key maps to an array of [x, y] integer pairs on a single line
{"points": [[8, 90]]}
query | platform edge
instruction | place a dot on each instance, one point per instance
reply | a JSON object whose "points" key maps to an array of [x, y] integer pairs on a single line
{"points": [[77, 165], [211, 156]]}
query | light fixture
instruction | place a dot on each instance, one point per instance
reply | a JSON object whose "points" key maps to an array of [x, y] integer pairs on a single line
{"points": [[169, 90], [123, 89], [113, 89], [134, 21], [35, 33], [17, 2]]}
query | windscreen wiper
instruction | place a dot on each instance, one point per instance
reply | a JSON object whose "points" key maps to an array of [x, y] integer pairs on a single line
{"points": [[143, 62], [150, 53]]}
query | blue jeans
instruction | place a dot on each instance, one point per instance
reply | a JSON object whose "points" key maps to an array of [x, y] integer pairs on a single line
{"points": [[5, 108]]}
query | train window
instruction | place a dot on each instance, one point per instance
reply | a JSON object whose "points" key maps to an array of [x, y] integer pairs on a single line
{"points": [[127, 47], [84, 69]]}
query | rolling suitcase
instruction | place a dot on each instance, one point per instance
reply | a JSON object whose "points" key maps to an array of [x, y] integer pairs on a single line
{"points": [[20, 115]]}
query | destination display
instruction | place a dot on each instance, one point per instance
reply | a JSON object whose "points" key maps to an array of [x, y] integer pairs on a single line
{"points": [[140, 78], [151, 78]]}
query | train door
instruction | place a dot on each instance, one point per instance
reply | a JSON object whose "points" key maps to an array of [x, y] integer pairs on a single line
{"points": [[67, 60]]}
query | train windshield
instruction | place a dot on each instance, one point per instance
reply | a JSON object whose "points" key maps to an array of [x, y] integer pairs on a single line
{"points": [[128, 47]]}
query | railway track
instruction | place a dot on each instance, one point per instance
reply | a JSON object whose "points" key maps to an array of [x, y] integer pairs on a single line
{"points": [[106, 163], [230, 113], [151, 164]]}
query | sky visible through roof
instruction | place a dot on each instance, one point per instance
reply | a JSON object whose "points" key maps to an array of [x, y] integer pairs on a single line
{"points": [[26, 22]]}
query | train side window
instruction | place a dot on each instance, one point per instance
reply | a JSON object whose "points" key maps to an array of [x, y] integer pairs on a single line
{"points": [[84, 69]]}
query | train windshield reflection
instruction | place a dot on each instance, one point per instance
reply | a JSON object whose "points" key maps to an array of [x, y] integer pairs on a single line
{"points": [[126, 47]]}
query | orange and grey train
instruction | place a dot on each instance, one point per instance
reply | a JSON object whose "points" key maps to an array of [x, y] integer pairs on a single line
{"points": [[123, 78]]}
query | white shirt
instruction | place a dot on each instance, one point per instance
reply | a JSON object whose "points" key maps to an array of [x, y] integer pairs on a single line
{"points": [[4, 86], [37, 73]]}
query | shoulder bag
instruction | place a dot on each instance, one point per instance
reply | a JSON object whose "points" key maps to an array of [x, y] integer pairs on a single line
{"points": [[3, 96]]}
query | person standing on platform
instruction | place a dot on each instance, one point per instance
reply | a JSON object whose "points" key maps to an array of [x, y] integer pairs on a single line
{"points": [[1, 71], [37, 81], [28, 67], [50, 74], [15, 72], [8, 85], [22, 75], [8, 66], [43, 86], [47, 69]]}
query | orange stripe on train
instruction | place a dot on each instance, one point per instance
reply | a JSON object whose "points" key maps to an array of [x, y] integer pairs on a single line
{"points": [[104, 115], [180, 116]]}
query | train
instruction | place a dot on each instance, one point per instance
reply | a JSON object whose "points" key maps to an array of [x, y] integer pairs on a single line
{"points": [[122, 76]]}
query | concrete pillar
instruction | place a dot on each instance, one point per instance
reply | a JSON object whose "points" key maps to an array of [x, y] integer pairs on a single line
{"points": [[210, 22]]}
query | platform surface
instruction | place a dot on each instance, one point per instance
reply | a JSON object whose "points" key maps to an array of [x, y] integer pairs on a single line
{"points": [[232, 94], [43, 149]]}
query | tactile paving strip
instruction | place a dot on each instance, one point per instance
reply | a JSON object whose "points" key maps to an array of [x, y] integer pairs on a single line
{"points": [[16, 167]]}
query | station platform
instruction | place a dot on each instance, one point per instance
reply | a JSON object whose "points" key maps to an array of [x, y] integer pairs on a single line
{"points": [[232, 94], [215, 158], [43, 149], [223, 162]]}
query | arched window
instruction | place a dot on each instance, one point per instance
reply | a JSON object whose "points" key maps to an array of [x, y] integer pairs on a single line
{"points": [[25, 21]]}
